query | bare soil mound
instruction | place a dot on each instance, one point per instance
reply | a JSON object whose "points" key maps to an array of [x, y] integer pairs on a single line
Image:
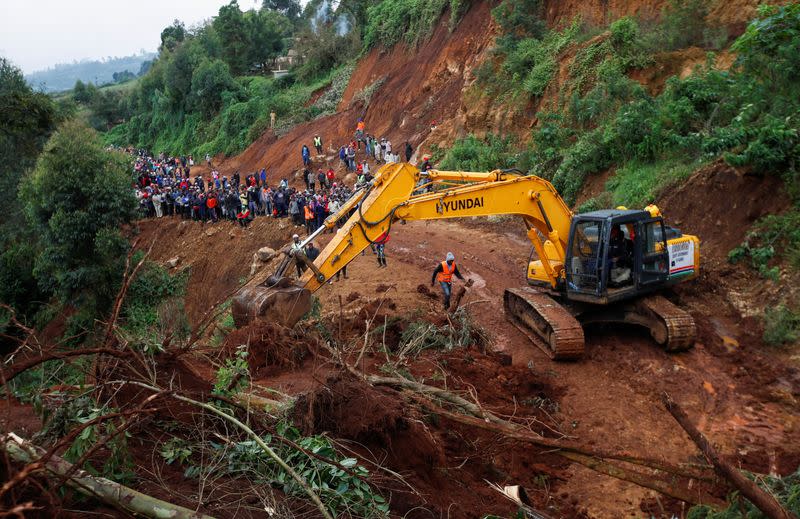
{"points": [[719, 203], [268, 346]]}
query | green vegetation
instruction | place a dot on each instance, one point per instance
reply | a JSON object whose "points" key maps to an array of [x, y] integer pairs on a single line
{"points": [[598, 118], [207, 93], [153, 306], [341, 486], [772, 239], [28, 119], [76, 199], [233, 376], [637, 185], [61, 414], [409, 21], [473, 154], [786, 490], [781, 325]]}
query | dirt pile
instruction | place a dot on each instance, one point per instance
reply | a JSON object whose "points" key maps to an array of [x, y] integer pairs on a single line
{"points": [[738, 200], [219, 255], [268, 346]]}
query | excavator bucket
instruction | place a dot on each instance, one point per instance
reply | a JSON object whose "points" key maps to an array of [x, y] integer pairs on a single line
{"points": [[280, 301]]}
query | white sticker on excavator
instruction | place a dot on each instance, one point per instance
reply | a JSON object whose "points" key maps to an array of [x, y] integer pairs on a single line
{"points": [[681, 257]]}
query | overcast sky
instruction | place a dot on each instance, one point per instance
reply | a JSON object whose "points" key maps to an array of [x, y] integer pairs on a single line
{"points": [[36, 34]]}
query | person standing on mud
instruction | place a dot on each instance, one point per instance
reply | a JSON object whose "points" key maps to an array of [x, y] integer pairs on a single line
{"points": [[380, 249], [318, 144], [443, 273]]}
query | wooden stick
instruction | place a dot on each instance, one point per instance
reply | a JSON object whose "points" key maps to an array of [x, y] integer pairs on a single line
{"points": [[761, 499], [104, 489], [267, 450]]}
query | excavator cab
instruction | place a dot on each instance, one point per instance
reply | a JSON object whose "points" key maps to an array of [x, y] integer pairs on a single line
{"points": [[614, 255]]}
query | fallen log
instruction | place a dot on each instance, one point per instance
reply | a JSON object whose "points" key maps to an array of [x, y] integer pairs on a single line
{"points": [[761, 499], [103, 489], [459, 295], [583, 456], [484, 419]]}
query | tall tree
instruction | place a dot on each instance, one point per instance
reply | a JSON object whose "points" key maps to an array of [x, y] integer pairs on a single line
{"points": [[76, 199], [266, 31], [232, 30], [289, 8], [27, 121], [173, 35]]}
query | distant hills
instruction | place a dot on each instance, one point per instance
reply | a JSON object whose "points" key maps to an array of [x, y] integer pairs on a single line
{"points": [[64, 75]]}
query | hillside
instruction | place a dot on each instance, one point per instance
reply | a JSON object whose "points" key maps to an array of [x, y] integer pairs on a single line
{"points": [[121, 350], [63, 76]]}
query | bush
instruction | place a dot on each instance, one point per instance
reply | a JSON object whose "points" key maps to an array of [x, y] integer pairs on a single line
{"points": [[474, 154], [392, 21], [781, 325], [76, 199]]}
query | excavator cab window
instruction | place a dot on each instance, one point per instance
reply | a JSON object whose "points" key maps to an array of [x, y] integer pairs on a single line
{"points": [[654, 255], [583, 274]]}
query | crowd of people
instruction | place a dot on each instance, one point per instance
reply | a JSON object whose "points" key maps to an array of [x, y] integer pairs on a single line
{"points": [[165, 186]]}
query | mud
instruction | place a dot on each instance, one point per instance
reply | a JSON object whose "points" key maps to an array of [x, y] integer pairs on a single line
{"points": [[268, 346]]}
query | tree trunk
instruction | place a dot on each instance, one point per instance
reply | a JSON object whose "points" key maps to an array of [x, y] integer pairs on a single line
{"points": [[761, 499], [103, 489]]}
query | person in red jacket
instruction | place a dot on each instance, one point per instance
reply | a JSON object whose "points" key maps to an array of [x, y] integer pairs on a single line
{"points": [[331, 176], [211, 203]]}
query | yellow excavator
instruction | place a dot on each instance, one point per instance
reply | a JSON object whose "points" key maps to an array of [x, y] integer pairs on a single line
{"points": [[598, 267]]}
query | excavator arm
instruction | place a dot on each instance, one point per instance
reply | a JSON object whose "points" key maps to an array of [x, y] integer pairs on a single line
{"points": [[391, 198]]}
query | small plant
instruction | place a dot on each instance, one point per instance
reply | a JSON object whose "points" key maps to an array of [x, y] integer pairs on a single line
{"points": [[62, 414], [785, 490], [781, 325], [175, 449], [772, 238], [233, 376]]}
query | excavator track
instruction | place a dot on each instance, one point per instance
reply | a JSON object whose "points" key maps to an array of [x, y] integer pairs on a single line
{"points": [[548, 324], [671, 327]]}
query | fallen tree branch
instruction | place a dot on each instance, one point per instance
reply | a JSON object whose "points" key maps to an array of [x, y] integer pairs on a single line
{"points": [[21, 366], [267, 450], [103, 489], [761, 499], [593, 460], [512, 429]]}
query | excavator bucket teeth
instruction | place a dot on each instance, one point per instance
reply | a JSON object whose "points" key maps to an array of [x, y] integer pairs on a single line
{"points": [[548, 324], [282, 303], [671, 327]]}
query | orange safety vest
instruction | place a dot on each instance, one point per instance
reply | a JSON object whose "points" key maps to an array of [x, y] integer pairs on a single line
{"points": [[446, 275], [309, 214]]}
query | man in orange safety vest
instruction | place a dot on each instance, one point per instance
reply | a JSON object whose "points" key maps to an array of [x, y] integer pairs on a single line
{"points": [[443, 273]]}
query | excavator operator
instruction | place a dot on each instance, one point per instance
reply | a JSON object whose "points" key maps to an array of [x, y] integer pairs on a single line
{"points": [[443, 273], [621, 254]]}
